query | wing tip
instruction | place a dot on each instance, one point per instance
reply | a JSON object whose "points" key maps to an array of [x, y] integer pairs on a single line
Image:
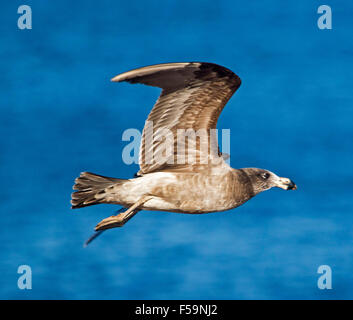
{"points": [[116, 79], [126, 76], [202, 70]]}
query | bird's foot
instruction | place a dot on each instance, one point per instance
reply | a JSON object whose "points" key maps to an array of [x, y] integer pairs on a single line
{"points": [[110, 222]]}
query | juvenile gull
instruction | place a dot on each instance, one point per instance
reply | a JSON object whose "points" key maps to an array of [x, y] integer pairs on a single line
{"points": [[193, 96]]}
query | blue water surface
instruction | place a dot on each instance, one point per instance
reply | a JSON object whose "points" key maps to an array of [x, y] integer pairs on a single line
{"points": [[60, 115]]}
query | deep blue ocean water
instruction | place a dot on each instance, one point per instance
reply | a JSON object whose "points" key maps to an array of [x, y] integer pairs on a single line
{"points": [[60, 115]]}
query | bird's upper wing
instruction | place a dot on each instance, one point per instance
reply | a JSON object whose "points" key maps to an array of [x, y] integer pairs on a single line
{"points": [[193, 96]]}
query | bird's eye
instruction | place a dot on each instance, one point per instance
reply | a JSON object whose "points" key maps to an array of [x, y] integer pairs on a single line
{"points": [[265, 175]]}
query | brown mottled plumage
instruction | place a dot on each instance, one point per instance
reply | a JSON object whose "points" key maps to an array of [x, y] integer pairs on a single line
{"points": [[193, 96]]}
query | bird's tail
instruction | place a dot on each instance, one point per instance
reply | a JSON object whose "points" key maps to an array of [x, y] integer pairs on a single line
{"points": [[92, 189]]}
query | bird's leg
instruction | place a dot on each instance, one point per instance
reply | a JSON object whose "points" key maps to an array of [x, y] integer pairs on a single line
{"points": [[122, 218], [98, 233]]}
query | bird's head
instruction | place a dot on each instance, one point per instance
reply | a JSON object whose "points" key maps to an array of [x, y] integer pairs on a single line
{"points": [[262, 180]]}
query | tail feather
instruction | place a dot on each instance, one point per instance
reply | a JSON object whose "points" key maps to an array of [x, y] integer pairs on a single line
{"points": [[91, 189]]}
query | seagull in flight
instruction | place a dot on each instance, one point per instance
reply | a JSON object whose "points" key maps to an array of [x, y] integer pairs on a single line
{"points": [[192, 98]]}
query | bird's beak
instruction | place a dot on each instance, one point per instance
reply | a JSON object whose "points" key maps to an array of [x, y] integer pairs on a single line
{"points": [[286, 184]]}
